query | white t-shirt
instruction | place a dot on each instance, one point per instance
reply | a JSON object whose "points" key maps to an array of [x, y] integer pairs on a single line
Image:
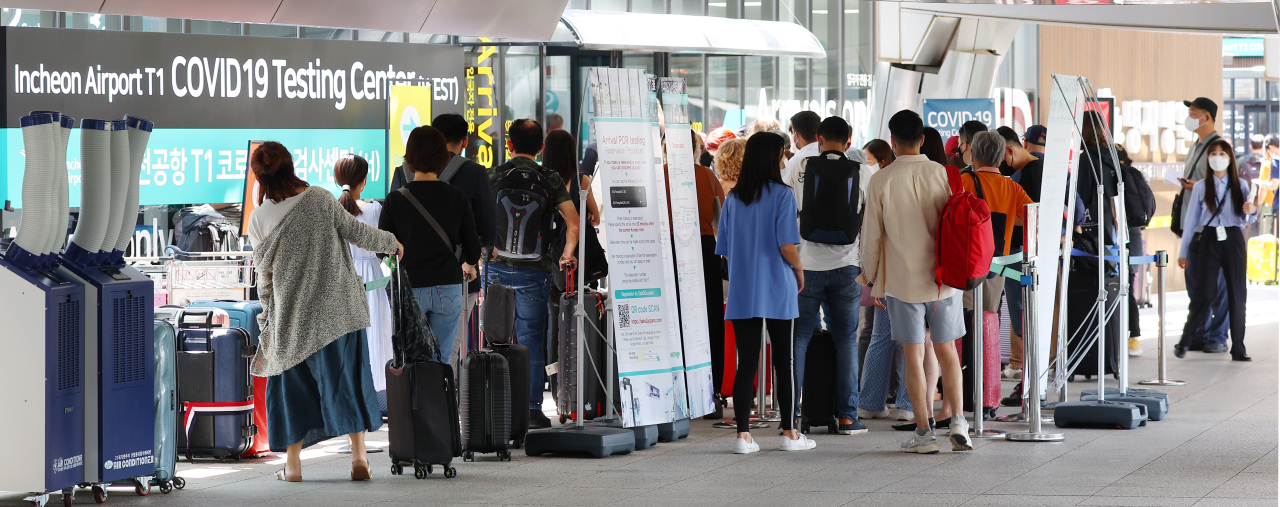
{"points": [[266, 216], [822, 256], [793, 163]]}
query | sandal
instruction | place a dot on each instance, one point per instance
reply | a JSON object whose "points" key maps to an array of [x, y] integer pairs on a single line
{"points": [[360, 471], [282, 476]]}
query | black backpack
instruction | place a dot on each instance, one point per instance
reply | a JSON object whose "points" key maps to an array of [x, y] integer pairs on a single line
{"points": [[831, 212], [1139, 200], [524, 213]]}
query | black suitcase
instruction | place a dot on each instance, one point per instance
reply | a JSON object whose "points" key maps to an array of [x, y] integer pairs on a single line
{"points": [[518, 365], [422, 415], [486, 405], [595, 365], [1082, 293], [213, 367], [818, 396]]}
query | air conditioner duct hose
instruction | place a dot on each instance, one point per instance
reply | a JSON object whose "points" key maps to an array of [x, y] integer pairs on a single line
{"points": [[64, 192], [119, 185], [53, 206], [95, 190], [139, 132], [36, 191]]}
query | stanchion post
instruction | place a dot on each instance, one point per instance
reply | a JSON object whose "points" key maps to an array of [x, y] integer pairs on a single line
{"points": [[1030, 340], [1162, 261]]}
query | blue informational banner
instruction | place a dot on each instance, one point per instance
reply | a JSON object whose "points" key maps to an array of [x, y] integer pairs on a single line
{"points": [[947, 115], [208, 165], [1244, 47]]}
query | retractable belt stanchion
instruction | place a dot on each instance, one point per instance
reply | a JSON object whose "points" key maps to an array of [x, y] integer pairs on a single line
{"points": [[1162, 261], [763, 416], [1030, 343]]}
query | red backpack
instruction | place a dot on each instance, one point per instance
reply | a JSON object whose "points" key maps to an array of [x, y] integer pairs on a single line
{"points": [[965, 241]]}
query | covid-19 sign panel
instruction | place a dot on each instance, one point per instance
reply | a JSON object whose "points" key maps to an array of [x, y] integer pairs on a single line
{"points": [[209, 95]]}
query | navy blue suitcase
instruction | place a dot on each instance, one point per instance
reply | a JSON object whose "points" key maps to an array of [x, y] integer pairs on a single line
{"points": [[213, 372]]}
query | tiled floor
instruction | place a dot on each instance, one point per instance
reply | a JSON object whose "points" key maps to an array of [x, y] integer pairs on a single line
{"points": [[1218, 447]]}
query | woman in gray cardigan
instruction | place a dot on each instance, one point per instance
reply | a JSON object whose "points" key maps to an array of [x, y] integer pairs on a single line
{"points": [[312, 348]]}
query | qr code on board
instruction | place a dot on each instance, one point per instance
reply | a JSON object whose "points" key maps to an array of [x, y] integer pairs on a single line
{"points": [[624, 316]]}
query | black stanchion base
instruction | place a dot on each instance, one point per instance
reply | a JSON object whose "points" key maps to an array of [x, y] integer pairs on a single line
{"points": [[1107, 414], [646, 436], [672, 431], [595, 441], [1157, 407]]}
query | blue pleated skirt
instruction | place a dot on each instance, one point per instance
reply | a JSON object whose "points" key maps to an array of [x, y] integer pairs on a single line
{"points": [[329, 394]]}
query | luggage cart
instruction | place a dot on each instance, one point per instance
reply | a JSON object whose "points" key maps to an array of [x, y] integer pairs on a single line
{"points": [[212, 275]]}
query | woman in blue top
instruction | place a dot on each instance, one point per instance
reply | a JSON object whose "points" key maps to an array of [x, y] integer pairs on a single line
{"points": [[1218, 211], [758, 235]]}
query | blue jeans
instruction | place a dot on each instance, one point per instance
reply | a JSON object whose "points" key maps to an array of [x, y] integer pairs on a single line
{"points": [[884, 358], [442, 304], [837, 293], [533, 290]]}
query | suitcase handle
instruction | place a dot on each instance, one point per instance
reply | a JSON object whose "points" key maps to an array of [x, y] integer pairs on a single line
{"points": [[206, 313]]}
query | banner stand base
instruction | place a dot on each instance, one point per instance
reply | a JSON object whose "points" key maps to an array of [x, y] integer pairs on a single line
{"points": [[594, 441], [672, 431], [646, 436]]}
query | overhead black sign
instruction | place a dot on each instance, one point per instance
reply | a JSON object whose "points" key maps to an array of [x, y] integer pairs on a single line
{"points": [[216, 81]]}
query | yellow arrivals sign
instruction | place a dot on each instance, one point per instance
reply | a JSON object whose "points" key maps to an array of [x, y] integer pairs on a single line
{"points": [[410, 108]]}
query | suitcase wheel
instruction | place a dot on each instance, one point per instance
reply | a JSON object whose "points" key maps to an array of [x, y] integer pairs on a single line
{"points": [[179, 482], [166, 487], [468, 456], [397, 469], [420, 472], [518, 443], [804, 428], [450, 472], [502, 456]]}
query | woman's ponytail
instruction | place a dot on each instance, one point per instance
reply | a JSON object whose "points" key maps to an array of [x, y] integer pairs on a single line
{"points": [[351, 170]]}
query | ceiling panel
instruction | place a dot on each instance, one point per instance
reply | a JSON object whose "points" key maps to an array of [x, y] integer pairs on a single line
{"points": [[533, 20], [388, 15], [240, 11], [56, 5]]}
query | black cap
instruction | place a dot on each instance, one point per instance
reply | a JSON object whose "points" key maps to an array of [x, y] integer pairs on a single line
{"points": [[1205, 104]]}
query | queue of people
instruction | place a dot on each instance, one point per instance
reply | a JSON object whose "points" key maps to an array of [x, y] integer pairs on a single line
{"points": [[867, 238]]}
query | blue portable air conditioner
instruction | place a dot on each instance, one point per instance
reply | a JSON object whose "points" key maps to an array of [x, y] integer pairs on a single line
{"points": [[41, 369]]}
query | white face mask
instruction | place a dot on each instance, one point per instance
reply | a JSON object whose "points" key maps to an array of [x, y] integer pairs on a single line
{"points": [[873, 167], [1219, 163], [1192, 123]]}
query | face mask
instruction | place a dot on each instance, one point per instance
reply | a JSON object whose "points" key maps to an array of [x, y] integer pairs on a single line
{"points": [[1191, 123], [1219, 163], [873, 167]]}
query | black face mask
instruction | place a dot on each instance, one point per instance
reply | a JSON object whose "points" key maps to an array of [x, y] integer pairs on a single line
{"points": [[1007, 169]]}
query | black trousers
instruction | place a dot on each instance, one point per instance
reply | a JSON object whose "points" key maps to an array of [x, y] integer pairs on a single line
{"points": [[1230, 257], [713, 277], [747, 335]]}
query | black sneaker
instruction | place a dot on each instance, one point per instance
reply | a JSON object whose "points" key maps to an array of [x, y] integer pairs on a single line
{"points": [[538, 420], [851, 427], [911, 426], [1015, 398]]}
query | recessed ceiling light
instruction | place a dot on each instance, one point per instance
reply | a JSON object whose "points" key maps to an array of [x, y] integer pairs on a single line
{"points": [[750, 4], [823, 11], [716, 4], [851, 11]]}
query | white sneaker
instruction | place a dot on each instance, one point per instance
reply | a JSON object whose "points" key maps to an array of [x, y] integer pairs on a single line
{"points": [[904, 415], [742, 446], [867, 414], [921, 444], [800, 444], [1135, 347], [1011, 373], [960, 440]]}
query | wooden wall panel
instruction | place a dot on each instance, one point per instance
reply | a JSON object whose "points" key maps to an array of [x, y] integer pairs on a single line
{"points": [[1138, 65]]}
